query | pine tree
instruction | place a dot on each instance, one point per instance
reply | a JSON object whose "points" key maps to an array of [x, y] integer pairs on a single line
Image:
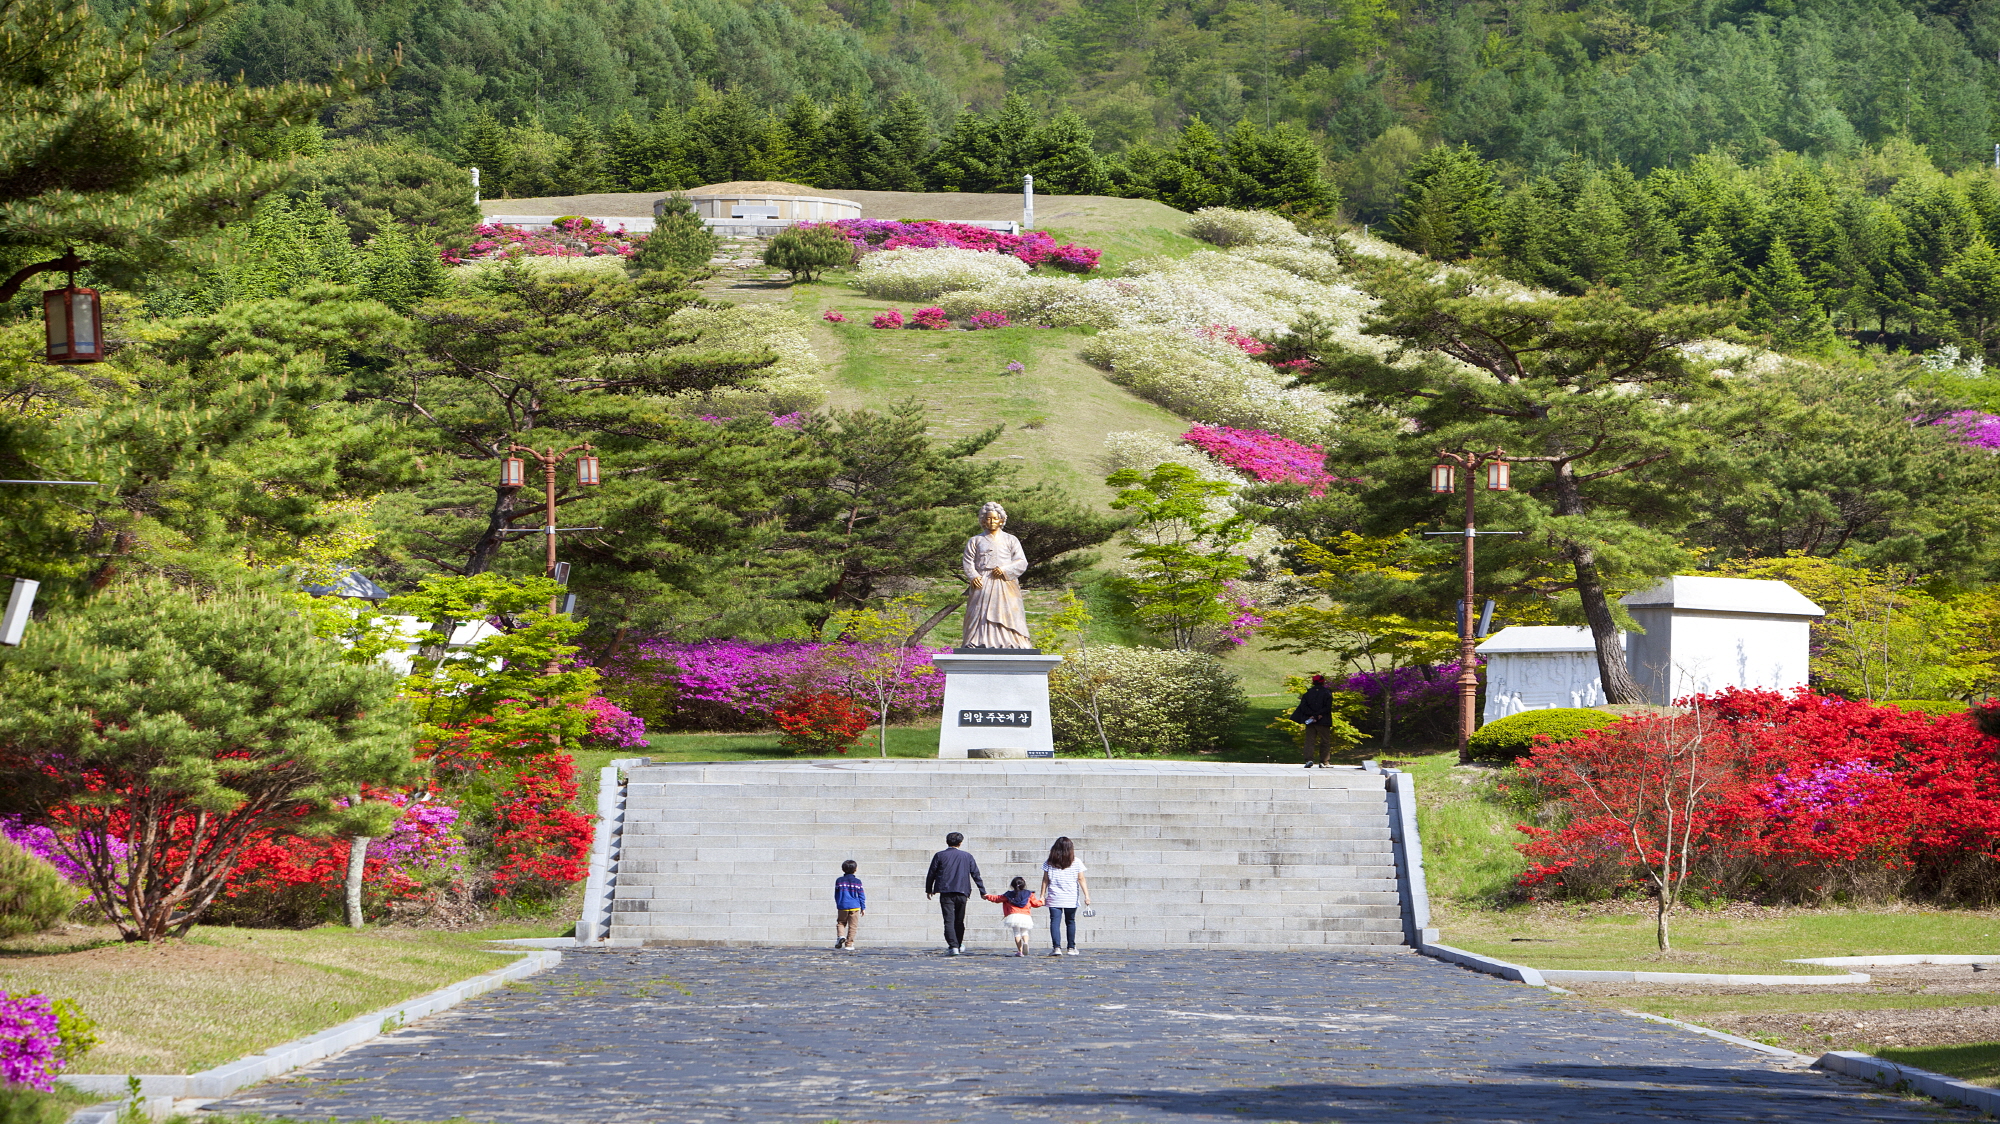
{"points": [[400, 270], [111, 149], [1971, 292], [1449, 205], [1783, 303], [1283, 169], [192, 723], [907, 130], [485, 146], [802, 123], [680, 240], [1197, 173], [586, 163], [968, 159], [1064, 163], [724, 133], [851, 149], [653, 156]]}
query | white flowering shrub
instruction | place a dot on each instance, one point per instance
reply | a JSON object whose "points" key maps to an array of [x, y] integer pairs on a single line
{"points": [[1212, 382], [795, 382], [1060, 302], [1143, 452], [1313, 265], [1226, 226], [923, 274], [1150, 700]]}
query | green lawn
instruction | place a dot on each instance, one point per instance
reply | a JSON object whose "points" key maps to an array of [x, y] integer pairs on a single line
{"points": [[184, 1005], [1978, 1063], [1707, 942]]}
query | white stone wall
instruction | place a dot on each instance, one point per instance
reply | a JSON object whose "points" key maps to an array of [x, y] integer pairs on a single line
{"points": [[1690, 652], [1518, 681]]}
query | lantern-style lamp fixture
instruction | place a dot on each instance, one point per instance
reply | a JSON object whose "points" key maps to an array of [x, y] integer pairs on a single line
{"points": [[586, 470], [75, 330], [510, 473], [1500, 476], [1444, 478]]}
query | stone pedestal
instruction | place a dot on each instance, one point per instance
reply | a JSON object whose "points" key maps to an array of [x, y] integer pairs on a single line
{"points": [[996, 705]]}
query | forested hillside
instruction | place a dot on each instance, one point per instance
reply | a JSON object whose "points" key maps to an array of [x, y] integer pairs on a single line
{"points": [[1640, 82]]}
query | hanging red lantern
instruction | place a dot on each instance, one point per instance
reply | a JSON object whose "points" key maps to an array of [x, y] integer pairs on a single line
{"points": [[1444, 478], [510, 473], [586, 470], [75, 329]]}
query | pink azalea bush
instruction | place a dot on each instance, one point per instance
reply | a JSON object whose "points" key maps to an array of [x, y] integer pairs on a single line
{"points": [[1032, 247], [933, 319], [1264, 456], [986, 319], [720, 683], [794, 420], [572, 236], [1227, 333], [613, 725], [833, 316], [30, 1045], [890, 319]]}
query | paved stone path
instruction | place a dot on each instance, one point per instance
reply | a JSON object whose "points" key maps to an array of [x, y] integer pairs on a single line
{"points": [[794, 1035]]}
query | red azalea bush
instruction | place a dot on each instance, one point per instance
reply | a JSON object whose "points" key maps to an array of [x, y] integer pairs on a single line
{"points": [[933, 319], [819, 722], [1791, 797], [541, 842], [893, 318], [987, 319]]}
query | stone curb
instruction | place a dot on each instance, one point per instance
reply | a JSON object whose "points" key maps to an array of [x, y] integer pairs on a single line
{"points": [[1774, 1051], [1568, 975], [1902, 961], [226, 1079], [1542, 977], [1934, 1085], [1519, 973]]}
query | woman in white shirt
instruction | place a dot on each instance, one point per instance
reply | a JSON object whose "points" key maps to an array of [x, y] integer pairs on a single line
{"points": [[1063, 885]]}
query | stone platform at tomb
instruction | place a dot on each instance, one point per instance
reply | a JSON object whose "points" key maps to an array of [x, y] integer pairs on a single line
{"points": [[1180, 854]]}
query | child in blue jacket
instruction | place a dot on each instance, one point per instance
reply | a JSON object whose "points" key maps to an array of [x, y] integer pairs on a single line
{"points": [[850, 901]]}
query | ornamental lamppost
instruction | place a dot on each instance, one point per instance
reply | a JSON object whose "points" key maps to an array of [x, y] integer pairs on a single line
{"points": [[1444, 481], [512, 476]]}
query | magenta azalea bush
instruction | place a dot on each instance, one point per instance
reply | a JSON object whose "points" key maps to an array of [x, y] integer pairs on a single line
{"points": [[933, 319], [890, 319], [613, 725], [833, 316], [424, 845], [1264, 456], [987, 319], [30, 1045], [740, 682], [1244, 619], [571, 237], [1979, 430], [41, 842], [1033, 247]]}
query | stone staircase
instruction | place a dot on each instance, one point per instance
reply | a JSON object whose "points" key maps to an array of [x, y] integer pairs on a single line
{"points": [[1180, 854]]}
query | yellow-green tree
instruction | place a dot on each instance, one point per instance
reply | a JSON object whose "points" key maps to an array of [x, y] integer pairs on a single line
{"points": [[875, 658]]}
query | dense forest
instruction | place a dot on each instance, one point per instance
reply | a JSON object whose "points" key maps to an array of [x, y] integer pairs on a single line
{"points": [[1529, 84]]}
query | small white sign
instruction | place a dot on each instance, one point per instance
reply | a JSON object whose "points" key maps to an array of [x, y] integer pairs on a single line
{"points": [[739, 211]]}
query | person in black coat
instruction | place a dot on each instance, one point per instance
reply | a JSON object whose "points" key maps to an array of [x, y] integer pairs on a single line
{"points": [[1315, 713]]}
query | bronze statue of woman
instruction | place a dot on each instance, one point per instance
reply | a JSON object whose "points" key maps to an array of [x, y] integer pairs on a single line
{"points": [[993, 564]]}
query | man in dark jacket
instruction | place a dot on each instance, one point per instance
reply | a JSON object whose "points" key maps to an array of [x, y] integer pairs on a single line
{"points": [[1315, 712], [952, 875]]}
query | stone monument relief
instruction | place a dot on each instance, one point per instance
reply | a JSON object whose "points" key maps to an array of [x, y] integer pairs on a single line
{"points": [[996, 683]]}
